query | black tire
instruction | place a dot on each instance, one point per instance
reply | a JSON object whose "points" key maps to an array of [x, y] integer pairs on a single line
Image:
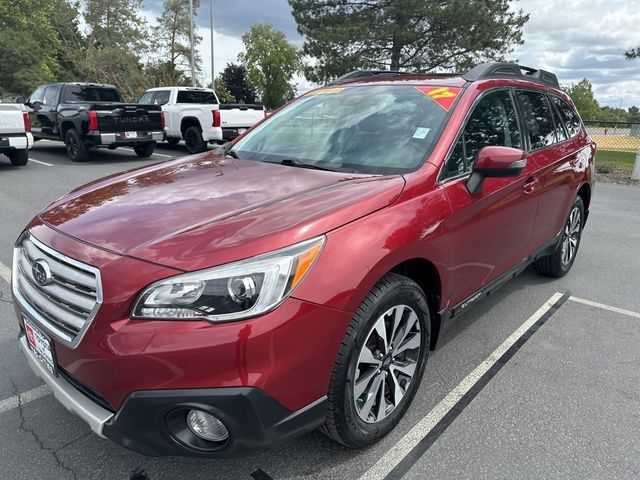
{"points": [[144, 150], [558, 264], [18, 158], [193, 140], [344, 423], [173, 140], [76, 148]]}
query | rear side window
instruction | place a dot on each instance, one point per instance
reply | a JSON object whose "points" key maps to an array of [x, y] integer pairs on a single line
{"points": [[561, 135], [196, 96], [492, 123], [82, 93], [538, 118], [568, 115]]}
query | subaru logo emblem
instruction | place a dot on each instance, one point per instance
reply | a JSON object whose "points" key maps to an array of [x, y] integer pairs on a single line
{"points": [[41, 272]]}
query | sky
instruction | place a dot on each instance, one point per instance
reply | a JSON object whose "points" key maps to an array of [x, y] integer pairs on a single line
{"points": [[575, 39]]}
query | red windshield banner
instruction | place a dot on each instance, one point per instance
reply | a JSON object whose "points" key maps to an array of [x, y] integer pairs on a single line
{"points": [[443, 96]]}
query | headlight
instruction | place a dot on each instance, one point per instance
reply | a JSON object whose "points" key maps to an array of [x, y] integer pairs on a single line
{"points": [[230, 292]]}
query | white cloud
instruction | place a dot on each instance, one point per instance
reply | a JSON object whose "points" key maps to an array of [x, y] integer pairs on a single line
{"points": [[585, 38]]}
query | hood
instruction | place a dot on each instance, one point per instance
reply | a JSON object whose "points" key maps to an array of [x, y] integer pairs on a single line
{"points": [[207, 210]]}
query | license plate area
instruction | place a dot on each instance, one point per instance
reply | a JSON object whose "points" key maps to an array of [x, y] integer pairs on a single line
{"points": [[129, 135], [241, 131], [41, 345]]}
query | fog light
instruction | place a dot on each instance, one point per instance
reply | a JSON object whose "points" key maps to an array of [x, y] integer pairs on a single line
{"points": [[206, 426]]}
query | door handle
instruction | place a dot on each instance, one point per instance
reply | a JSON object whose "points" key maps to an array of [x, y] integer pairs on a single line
{"points": [[530, 185]]}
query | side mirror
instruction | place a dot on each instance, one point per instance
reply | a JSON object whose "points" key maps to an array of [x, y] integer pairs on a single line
{"points": [[495, 162], [21, 100]]}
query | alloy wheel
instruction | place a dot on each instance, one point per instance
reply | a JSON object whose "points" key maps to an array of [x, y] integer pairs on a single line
{"points": [[571, 236], [387, 363]]}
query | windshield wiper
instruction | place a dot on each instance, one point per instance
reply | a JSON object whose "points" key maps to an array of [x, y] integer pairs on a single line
{"points": [[290, 162], [228, 150]]}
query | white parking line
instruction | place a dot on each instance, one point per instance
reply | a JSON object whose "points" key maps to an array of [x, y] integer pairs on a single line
{"points": [[389, 460], [25, 397], [605, 307], [5, 272], [31, 159], [156, 154]]}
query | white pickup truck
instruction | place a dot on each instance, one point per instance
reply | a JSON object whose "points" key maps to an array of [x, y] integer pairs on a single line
{"points": [[196, 115], [15, 133]]}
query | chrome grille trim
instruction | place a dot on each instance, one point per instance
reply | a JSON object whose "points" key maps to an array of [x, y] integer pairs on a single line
{"points": [[64, 308]]}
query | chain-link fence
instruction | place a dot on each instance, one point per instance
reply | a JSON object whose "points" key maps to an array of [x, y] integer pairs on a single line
{"points": [[618, 145]]}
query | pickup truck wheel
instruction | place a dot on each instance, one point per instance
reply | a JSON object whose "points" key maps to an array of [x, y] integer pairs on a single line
{"points": [[380, 363], [193, 140], [76, 148], [561, 260], [144, 150], [173, 140], [18, 158]]}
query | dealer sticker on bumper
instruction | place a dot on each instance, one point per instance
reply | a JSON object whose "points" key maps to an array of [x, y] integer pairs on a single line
{"points": [[41, 346]]}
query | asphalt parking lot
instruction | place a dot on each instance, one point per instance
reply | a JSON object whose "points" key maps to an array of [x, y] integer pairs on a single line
{"points": [[540, 380]]}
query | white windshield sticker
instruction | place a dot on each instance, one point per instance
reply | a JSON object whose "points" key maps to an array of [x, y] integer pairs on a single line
{"points": [[421, 132]]}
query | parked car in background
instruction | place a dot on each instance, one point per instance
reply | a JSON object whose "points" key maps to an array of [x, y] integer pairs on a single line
{"points": [[196, 115], [86, 116], [215, 305], [15, 133]]}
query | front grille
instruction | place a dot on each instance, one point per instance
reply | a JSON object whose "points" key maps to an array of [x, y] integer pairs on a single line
{"points": [[69, 300]]}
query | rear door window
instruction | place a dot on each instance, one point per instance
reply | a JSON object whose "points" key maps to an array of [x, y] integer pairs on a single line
{"points": [[162, 97], [569, 117], [51, 95], [538, 119], [492, 123]]}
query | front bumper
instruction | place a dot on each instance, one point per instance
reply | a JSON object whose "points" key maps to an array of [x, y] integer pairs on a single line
{"points": [[74, 401], [119, 138], [255, 420]]}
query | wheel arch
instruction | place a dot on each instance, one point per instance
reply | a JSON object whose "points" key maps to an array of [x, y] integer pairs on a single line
{"points": [[65, 127], [426, 275], [422, 271], [584, 192], [187, 122]]}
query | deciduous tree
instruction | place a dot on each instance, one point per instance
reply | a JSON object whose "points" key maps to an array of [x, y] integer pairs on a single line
{"points": [[271, 63], [234, 77], [582, 95]]}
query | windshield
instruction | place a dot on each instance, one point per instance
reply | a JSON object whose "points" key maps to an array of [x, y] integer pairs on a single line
{"points": [[367, 129], [78, 93]]}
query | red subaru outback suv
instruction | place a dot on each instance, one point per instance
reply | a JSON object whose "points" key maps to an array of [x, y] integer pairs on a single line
{"points": [[219, 303]]}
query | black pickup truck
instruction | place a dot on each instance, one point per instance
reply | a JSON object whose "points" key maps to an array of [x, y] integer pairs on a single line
{"points": [[86, 116]]}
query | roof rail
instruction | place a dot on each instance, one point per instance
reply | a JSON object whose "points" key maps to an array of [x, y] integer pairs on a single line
{"points": [[511, 70], [360, 74]]}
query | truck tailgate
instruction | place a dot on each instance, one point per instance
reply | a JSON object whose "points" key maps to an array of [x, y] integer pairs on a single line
{"points": [[240, 115], [128, 117], [11, 120]]}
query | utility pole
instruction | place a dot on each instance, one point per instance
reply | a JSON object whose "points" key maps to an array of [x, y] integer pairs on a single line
{"points": [[193, 61], [213, 72]]}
